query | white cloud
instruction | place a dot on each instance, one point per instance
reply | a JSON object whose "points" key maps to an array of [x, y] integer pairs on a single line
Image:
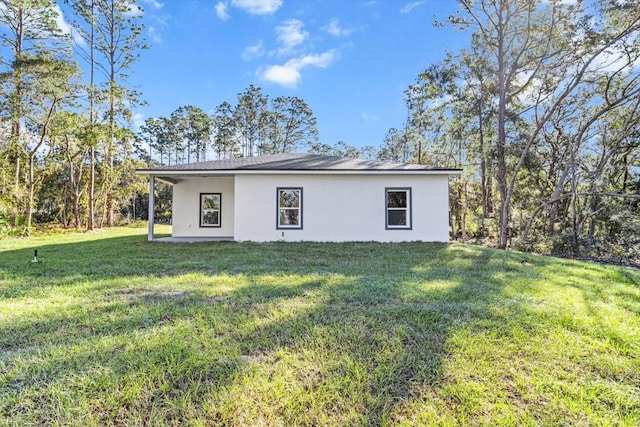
{"points": [[284, 75], [258, 7], [290, 35], [253, 51], [411, 5], [138, 120], [368, 117], [222, 10], [333, 28], [67, 29], [289, 74], [153, 34], [153, 3], [161, 20], [60, 22]]}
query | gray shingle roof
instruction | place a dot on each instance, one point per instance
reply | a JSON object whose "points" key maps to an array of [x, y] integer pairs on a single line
{"points": [[295, 162]]}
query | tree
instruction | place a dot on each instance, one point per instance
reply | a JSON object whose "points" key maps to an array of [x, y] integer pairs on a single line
{"points": [[86, 28], [195, 127], [50, 90], [429, 101], [342, 149], [543, 55], [45, 147], [30, 31], [535, 110], [250, 117], [118, 44], [321, 148], [290, 123], [150, 133], [63, 181], [225, 142], [394, 147]]}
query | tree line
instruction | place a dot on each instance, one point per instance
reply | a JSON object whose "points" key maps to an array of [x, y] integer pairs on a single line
{"points": [[255, 126], [542, 112], [66, 145]]}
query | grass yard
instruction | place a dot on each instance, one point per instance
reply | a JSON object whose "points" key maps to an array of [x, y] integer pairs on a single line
{"points": [[109, 330]]}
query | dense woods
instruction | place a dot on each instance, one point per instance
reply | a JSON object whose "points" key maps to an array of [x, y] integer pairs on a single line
{"points": [[541, 109], [67, 147]]}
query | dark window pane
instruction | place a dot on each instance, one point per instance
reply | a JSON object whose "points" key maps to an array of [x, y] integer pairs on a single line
{"points": [[398, 217], [289, 217], [211, 217], [396, 199], [289, 198]]}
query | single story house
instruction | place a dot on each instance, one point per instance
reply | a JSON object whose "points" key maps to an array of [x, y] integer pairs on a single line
{"points": [[305, 197]]}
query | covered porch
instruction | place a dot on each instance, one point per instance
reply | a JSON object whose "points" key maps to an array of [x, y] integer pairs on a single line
{"points": [[190, 223]]}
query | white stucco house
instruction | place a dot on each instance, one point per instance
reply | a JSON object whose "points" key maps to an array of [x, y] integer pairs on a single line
{"points": [[306, 197]]}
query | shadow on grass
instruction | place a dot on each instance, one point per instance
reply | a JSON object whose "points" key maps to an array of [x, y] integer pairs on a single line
{"points": [[229, 333]]}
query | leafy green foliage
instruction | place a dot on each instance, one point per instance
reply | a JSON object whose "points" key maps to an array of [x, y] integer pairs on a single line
{"points": [[541, 112], [47, 139]]}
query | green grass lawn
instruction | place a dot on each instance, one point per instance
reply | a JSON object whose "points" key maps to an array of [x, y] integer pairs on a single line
{"points": [[108, 329]]}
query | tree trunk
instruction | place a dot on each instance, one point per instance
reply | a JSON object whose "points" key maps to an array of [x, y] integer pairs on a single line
{"points": [[505, 196], [31, 190], [112, 116], [91, 203], [16, 126], [483, 172]]}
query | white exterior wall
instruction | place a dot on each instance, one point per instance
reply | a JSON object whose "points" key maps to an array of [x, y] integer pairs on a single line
{"points": [[345, 207], [186, 207]]}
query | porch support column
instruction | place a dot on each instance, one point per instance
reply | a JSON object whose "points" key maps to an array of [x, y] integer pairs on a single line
{"points": [[152, 207]]}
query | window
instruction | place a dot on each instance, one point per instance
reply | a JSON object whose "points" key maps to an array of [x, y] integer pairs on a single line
{"points": [[289, 208], [210, 209], [398, 208]]}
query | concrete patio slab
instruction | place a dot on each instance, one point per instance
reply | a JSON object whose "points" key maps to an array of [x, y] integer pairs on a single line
{"points": [[193, 239]]}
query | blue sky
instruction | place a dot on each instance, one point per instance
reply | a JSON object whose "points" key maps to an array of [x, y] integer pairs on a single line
{"points": [[350, 60]]}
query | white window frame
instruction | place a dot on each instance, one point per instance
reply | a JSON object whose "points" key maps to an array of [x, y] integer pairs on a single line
{"points": [[279, 225], [203, 210], [407, 209]]}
